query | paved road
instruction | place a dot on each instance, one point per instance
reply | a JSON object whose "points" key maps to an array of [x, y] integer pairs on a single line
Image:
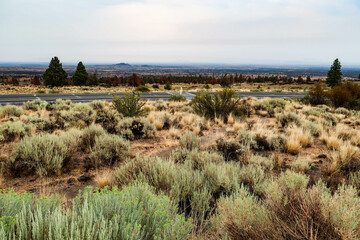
{"points": [[19, 99]]}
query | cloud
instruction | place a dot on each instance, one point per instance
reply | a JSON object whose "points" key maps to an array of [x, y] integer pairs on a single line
{"points": [[236, 31]]}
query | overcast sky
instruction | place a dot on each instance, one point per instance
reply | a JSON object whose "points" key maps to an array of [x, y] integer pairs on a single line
{"points": [[181, 31]]}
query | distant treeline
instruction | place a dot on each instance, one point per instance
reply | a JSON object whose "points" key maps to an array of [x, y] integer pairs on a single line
{"points": [[135, 80]]}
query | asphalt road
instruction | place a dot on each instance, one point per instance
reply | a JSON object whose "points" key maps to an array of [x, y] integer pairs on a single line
{"points": [[19, 99]]}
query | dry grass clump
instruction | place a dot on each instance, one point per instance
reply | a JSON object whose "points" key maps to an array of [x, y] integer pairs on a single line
{"points": [[161, 120], [292, 144], [174, 133], [331, 141], [103, 179], [239, 126], [346, 159], [304, 136]]}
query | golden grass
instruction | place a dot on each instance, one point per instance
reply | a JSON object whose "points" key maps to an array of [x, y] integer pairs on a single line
{"points": [[174, 132], [231, 119], [239, 126], [331, 141], [347, 157], [158, 124], [196, 129], [355, 140], [293, 145], [104, 179]]}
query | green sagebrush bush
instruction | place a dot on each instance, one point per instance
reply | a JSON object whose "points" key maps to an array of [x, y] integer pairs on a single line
{"points": [[108, 119], [59, 105], [35, 105], [189, 141], [89, 134], [216, 105], [97, 105], [129, 105], [108, 149], [43, 154], [287, 118], [135, 128], [12, 111], [160, 105], [142, 89], [10, 131], [242, 216], [135, 212], [177, 98], [192, 189]]}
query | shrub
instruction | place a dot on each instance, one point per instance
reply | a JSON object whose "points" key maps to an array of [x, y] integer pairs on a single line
{"points": [[108, 149], [129, 105], [317, 95], [135, 128], [293, 181], [189, 141], [89, 135], [41, 124], [97, 105], [242, 216], [177, 98], [343, 111], [230, 149], [11, 110], [35, 105], [300, 165], [40, 154], [108, 119], [142, 89], [10, 131], [343, 211], [312, 127], [135, 212], [216, 105], [160, 105], [247, 139], [345, 95], [167, 86], [330, 118], [253, 176], [286, 119], [59, 105], [195, 158]]}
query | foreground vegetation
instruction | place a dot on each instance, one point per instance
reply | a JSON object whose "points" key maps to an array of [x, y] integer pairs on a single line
{"points": [[241, 169]]}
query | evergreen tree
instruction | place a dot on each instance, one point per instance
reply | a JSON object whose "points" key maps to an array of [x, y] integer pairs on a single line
{"points": [[80, 76], [55, 74], [93, 80], [334, 75]]}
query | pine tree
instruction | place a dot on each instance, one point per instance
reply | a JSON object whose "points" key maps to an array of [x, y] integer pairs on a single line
{"points": [[334, 75], [55, 74], [80, 76]]}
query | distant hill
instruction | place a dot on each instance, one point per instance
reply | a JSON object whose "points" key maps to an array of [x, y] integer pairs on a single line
{"points": [[122, 65]]}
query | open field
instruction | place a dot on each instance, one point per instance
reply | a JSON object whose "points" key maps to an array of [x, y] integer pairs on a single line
{"points": [[274, 169]]}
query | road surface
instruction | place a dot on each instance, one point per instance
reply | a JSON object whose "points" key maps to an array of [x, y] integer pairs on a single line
{"points": [[19, 99]]}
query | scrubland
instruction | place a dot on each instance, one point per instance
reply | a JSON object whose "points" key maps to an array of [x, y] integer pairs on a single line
{"points": [[212, 169]]}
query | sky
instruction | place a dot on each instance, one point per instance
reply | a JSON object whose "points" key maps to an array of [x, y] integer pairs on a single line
{"points": [[181, 31]]}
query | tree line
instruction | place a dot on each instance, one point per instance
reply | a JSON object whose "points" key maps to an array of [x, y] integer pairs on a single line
{"points": [[55, 75]]}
